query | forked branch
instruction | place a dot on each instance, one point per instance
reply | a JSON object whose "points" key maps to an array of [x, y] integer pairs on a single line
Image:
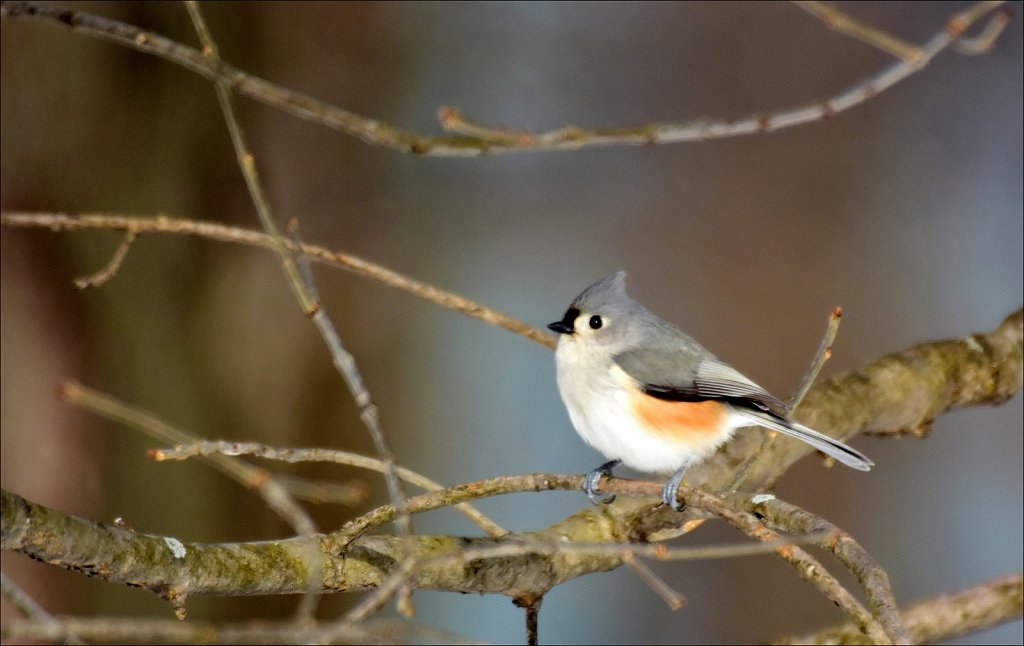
{"points": [[475, 139]]}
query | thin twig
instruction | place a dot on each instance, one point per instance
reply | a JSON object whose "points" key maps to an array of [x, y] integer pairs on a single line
{"points": [[843, 23], [397, 580], [346, 364], [276, 495], [452, 120], [247, 164], [806, 566], [823, 354], [490, 141], [873, 579], [328, 492], [446, 497], [306, 610], [182, 452], [110, 270], [624, 551], [305, 289], [945, 617], [530, 604], [35, 612], [112, 629], [673, 599], [222, 233], [536, 482], [985, 41]]}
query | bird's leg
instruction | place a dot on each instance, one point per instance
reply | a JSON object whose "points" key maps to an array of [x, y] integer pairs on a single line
{"points": [[590, 482], [668, 493]]}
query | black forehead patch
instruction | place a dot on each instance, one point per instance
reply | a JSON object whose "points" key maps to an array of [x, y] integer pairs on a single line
{"points": [[571, 315]]}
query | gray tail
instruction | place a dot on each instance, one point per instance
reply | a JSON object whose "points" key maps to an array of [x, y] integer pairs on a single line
{"points": [[833, 447]]}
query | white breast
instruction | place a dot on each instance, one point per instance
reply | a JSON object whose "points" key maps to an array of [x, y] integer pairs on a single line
{"points": [[596, 392]]}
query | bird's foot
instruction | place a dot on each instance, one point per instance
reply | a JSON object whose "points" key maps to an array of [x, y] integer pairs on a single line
{"points": [[668, 493], [592, 478]]}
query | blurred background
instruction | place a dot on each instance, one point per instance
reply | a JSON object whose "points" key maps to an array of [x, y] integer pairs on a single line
{"points": [[906, 211]]}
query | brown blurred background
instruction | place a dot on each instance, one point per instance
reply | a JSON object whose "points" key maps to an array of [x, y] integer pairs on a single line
{"points": [[905, 211]]}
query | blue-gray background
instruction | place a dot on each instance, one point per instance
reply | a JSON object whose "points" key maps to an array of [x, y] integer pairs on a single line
{"points": [[905, 211]]}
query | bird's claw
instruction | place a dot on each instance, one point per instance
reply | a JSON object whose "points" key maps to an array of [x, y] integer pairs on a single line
{"points": [[592, 478], [671, 488]]}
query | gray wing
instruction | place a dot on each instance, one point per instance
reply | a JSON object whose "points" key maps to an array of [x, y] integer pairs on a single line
{"points": [[693, 374]]}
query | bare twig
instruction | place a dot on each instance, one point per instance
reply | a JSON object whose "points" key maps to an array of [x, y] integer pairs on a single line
{"points": [[673, 599], [873, 579], [35, 612], [487, 140], [222, 233], [843, 23], [110, 270], [247, 164], [305, 292], [534, 545], [985, 41], [325, 491], [396, 580], [943, 618], [531, 607], [976, 369], [108, 629], [452, 120], [182, 452], [276, 495], [900, 392], [823, 354], [806, 566]]}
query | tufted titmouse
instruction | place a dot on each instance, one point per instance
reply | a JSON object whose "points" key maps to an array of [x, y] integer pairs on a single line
{"points": [[643, 393]]}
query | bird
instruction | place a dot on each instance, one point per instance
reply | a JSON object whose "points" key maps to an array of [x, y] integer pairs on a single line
{"points": [[645, 394]]}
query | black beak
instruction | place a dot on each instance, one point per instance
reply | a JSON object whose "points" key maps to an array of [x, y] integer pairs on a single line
{"points": [[565, 325], [561, 327]]}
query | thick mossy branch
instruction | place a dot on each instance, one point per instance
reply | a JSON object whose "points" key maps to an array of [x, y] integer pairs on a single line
{"points": [[900, 391], [162, 565], [174, 569]]}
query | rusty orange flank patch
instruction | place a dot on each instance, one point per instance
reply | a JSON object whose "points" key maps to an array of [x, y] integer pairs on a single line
{"points": [[680, 421]]}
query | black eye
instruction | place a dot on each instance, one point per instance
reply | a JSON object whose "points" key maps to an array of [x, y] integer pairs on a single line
{"points": [[596, 322]]}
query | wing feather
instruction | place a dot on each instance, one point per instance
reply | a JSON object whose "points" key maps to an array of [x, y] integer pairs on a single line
{"points": [[676, 376]]}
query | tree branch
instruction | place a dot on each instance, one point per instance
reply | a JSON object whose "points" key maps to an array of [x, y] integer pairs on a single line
{"points": [[942, 618], [348, 262], [517, 564], [300, 279], [106, 629], [522, 565], [207, 449], [35, 612], [898, 394], [873, 579], [476, 139]]}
